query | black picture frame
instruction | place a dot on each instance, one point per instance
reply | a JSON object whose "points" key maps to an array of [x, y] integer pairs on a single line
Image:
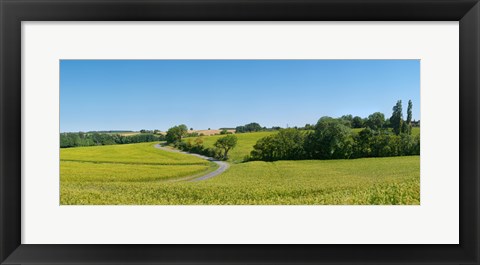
{"points": [[13, 12]]}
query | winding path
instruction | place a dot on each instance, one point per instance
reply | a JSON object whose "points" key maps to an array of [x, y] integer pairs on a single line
{"points": [[222, 165]]}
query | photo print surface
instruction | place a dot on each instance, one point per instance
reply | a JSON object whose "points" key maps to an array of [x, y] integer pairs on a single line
{"points": [[239, 132]]}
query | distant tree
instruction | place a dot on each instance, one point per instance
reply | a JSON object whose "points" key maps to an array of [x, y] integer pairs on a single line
{"points": [[240, 129], [251, 127], [309, 127], [409, 118], [409, 112], [191, 129], [357, 122], [226, 143], [396, 121], [146, 131], [95, 138], [416, 123], [224, 131], [375, 121], [176, 133]]}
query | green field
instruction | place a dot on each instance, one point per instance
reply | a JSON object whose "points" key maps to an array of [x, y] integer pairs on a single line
{"points": [[360, 181], [95, 168], [139, 174], [142, 153], [415, 131]]}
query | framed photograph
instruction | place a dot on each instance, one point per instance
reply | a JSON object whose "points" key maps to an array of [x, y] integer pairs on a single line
{"points": [[253, 132]]}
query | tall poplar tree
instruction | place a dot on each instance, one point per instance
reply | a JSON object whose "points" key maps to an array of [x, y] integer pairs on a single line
{"points": [[396, 120], [409, 117]]}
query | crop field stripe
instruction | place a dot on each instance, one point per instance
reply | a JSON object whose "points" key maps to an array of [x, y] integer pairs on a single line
{"points": [[133, 163], [95, 173], [129, 153]]}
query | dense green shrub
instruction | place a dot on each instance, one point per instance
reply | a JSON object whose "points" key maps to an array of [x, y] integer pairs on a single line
{"points": [[332, 139], [287, 144], [197, 147]]}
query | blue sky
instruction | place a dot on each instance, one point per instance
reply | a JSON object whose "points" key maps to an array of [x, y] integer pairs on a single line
{"points": [[158, 94]]}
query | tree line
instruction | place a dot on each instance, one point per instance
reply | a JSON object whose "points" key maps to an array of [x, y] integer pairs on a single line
{"points": [[333, 138], [374, 121], [90, 139]]}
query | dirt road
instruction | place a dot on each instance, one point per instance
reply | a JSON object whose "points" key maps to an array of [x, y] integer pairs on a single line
{"points": [[222, 165]]}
